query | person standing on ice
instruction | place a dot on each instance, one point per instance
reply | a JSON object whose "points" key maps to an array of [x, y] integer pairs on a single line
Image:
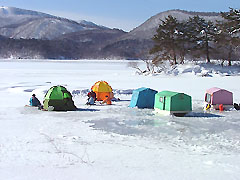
{"points": [[107, 100], [34, 101]]}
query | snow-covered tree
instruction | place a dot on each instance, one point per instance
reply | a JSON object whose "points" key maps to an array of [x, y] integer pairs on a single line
{"points": [[203, 34], [184, 41], [169, 41], [233, 19], [227, 38]]}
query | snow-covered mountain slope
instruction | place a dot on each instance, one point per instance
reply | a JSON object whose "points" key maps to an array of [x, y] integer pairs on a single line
{"points": [[15, 16], [91, 24], [19, 23], [41, 28], [12, 11]]}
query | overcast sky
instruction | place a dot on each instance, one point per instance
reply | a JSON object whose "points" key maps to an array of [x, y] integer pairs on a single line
{"points": [[123, 14]]}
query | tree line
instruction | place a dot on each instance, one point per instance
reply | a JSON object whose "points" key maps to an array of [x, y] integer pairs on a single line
{"points": [[197, 38]]}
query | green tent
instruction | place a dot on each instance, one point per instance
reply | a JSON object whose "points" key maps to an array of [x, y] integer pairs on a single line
{"points": [[58, 98], [168, 102]]}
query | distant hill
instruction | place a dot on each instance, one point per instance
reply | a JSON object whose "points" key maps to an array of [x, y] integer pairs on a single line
{"points": [[149, 27], [92, 42], [31, 34], [19, 23], [138, 41]]}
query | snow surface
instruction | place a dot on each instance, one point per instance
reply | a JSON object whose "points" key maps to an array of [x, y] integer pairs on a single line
{"points": [[114, 142]]}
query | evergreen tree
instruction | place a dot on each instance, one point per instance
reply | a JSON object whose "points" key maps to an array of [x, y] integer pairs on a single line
{"points": [[168, 40], [203, 33], [233, 19], [184, 41], [227, 37]]}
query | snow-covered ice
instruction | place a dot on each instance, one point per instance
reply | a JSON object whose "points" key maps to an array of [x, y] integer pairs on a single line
{"points": [[114, 142]]}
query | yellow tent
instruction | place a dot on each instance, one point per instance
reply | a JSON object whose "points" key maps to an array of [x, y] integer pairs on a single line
{"points": [[102, 89]]}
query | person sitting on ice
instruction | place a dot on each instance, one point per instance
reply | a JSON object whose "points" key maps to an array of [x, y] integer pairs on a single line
{"points": [[90, 101], [107, 100], [34, 101], [236, 106], [92, 94]]}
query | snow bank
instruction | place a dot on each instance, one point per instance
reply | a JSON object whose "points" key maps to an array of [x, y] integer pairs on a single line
{"points": [[200, 69]]}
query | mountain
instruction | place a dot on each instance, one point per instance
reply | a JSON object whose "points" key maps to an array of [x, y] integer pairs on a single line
{"points": [[19, 23], [137, 42], [92, 42], [91, 24], [86, 44], [12, 11], [31, 34], [149, 27]]}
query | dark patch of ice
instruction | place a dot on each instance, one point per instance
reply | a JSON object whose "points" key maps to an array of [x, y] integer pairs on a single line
{"points": [[201, 114], [88, 109], [15, 86], [29, 90]]}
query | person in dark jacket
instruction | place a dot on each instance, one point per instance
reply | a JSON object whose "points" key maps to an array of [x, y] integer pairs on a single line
{"points": [[34, 101], [236, 106], [92, 94]]}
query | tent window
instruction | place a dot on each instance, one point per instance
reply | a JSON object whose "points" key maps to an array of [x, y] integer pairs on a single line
{"points": [[208, 98], [161, 99]]}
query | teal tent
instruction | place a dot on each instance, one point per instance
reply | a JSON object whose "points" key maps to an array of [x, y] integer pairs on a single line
{"points": [[143, 98]]}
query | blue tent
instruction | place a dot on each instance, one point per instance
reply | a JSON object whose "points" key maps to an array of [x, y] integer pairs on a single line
{"points": [[143, 98]]}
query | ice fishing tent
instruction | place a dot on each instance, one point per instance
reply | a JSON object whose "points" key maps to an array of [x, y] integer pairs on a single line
{"points": [[168, 102], [215, 96], [58, 98], [102, 89], [143, 98]]}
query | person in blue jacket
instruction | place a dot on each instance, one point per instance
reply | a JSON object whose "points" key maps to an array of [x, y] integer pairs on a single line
{"points": [[34, 101], [90, 101]]}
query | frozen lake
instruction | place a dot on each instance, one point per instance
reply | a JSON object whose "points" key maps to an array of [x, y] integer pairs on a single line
{"points": [[112, 142]]}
